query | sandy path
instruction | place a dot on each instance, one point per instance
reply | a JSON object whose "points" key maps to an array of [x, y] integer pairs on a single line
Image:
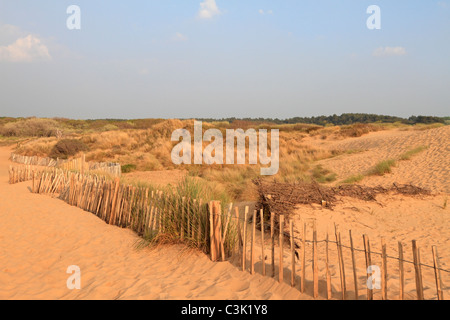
{"points": [[40, 237]]}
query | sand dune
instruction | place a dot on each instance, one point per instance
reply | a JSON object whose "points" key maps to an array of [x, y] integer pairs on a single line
{"points": [[429, 169], [40, 237]]}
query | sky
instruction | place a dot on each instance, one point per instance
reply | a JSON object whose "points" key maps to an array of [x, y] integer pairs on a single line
{"points": [[223, 58]]}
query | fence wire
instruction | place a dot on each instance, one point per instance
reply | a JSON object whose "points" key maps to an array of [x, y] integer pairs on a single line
{"points": [[286, 234]]}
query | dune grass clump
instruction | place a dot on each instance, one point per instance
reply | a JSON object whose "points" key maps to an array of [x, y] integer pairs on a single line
{"points": [[382, 168], [323, 175], [186, 218], [354, 179], [410, 153]]}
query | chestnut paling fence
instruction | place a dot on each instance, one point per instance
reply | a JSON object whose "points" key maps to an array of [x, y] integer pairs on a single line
{"points": [[79, 164], [224, 235]]}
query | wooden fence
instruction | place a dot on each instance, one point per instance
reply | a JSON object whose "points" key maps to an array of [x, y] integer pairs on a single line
{"points": [[316, 267], [78, 164], [337, 260]]}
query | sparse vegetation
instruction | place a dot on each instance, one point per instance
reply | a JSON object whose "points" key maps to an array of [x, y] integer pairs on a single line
{"points": [[410, 153], [128, 168], [382, 167], [31, 127], [354, 179], [322, 175], [145, 145]]}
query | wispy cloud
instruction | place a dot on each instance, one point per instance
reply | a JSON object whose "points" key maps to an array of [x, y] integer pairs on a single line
{"points": [[262, 12], [179, 37], [389, 51], [26, 49], [442, 4], [208, 9]]}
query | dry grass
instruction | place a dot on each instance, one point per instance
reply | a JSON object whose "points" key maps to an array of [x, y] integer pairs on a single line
{"points": [[150, 149]]}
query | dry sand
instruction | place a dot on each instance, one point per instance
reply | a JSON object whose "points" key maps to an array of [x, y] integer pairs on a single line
{"points": [[428, 169], [40, 237], [394, 217]]}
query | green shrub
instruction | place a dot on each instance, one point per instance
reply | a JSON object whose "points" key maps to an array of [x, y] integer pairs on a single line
{"points": [[383, 167], [128, 168], [66, 148]]}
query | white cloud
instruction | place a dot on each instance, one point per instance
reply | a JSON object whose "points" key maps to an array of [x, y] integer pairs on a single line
{"points": [[208, 9], [179, 37], [389, 51], [27, 49], [442, 4], [261, 11]]}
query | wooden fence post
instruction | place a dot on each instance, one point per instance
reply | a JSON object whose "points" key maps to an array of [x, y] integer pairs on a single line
{"points": [[418, 270], [383, 270], [401, 271], [303, 278], [329, 293], [272, 241], [315, 266], [291, 231], [368, 264], [114, 202], [211, 232], [355, 277], [280, 272], [240, 240], [252, 254], [263, 258], [341, 261], [244, 245], [437, 273]]}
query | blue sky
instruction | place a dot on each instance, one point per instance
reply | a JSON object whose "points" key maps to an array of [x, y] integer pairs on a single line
{"points": [[217, 58]]}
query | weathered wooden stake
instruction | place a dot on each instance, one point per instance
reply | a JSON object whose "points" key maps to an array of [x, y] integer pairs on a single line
{"points": [[368, 264], [437, 273], [272, 242], [383, 270], [401, 271], [244, 245], [263, 258], [280, 271], [291, 231], [303, 278], [418, 270], [315, 266], [355, 277], [252, 254], [327, 261]]}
